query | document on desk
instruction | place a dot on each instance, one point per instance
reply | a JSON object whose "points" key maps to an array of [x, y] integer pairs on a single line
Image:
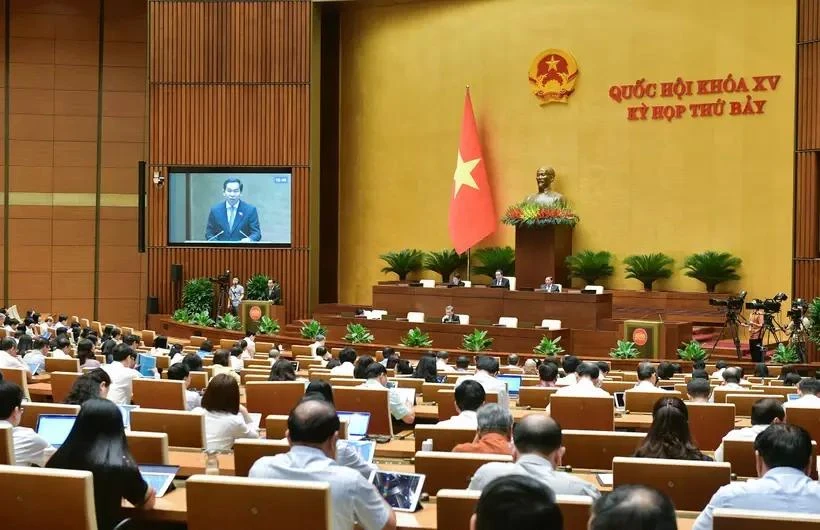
{"points": [[605, 479]]}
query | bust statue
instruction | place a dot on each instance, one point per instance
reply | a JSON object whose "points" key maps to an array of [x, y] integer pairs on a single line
{"points": [[545, 196]]}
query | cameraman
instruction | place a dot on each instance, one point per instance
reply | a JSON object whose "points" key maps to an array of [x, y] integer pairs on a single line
{"points": [[756, 335], [798, 330]]}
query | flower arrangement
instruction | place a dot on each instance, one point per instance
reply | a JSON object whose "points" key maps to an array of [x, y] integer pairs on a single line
{"points": [[533, 214]]}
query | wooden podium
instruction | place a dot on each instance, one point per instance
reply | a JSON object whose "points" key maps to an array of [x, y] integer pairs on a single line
{"points": [[252, 311], [656, 340], [542, 251]]}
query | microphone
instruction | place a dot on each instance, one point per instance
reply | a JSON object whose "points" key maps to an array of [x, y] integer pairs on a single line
{"points": [[216, 235]]}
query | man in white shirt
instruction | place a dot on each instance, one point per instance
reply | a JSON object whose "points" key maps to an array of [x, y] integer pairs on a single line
{"points": [[783, 456], [401, 410], [313, 429], [587, 385], [180, 372], [699, 390], [250, 339], [347, 357], [29, 447], [37, 355], [122, 374], [765, 412], [318, 342], [569, 363], [486, 370], [63, 345], [469, 395], [808, 388], [538, 453], [647, 379], [512, 364], [441, 362], [720, 366], [9, 357]]}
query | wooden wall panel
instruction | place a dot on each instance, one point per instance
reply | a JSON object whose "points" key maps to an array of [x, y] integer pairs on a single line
{"points": [[229, 85]]}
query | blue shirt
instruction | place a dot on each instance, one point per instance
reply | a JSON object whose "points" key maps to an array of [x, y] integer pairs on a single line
{"points": [[782, 489]]}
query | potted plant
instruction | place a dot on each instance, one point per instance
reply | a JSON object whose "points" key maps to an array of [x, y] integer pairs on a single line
{"points": [[590, 265], [268, 326], [197, 295], [416, 338], [257, 288], [477, 341], [202, 318], [310, 329], [646, 268], [229, 321], [548, 347], [624, 350], [445, 262], [814, 320], [403, 262], [181, 315], [358, 334], [692, 351], [785, 354], [492, 259], [712, 268]]}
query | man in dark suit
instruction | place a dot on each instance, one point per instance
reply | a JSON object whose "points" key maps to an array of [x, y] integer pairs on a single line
{"points": [[548, 286], [234, 219], [500, 280], [449, 316], [455, 280], [274, 292]]}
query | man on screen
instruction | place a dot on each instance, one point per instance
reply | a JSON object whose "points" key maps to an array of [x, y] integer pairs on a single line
{"points": [[234, 219]]}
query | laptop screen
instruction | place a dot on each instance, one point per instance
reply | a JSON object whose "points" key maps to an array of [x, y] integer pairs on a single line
{"points": [[792, 397], [357, 423], [54, 428], [159, 477], [513, 382], [126, 414]]}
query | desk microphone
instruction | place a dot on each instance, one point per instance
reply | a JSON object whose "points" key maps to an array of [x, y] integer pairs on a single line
{"points": [[216, 235]]}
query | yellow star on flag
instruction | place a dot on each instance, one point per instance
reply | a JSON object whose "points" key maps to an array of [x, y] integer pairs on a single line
{"points": [[464, 173]]}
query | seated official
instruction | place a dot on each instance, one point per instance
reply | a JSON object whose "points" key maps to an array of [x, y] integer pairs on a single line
{"points": [[222, 365], [180, 372], [530, 367], [665, 371], [206, 349], [236, 360], [547, 374], [390, 357], [569, 363], [699, 390], [783, 456], [792, 379], [29, 447], [494, 432], [731, 379], [469, 396], [669, 435], [633, 507], [449, 316], [91, 385], [538, 453], [376, 375], [122, 374], [360, 370], [588, 384], [318, 342], [97, 443], [455, 279], [765, 412], [36, 356], [549, 286], [347, 357], [647, 379], [500, 281], [603, 367], [426, 369], [85, 354], [809, 388], [700, 373], [61, 346], [517, 502], [462, 363], [486, 372], [512, 364], [193, 362], [225, 419], [10, 358], [282, 370], [720, 366], [441, 362], [313, 430], [160, 346]]}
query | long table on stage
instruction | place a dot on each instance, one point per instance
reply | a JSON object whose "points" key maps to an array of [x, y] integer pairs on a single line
{"points": [[574, 310]]}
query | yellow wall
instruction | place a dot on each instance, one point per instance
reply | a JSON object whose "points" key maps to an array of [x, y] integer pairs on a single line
{"points": [[680, 187]]}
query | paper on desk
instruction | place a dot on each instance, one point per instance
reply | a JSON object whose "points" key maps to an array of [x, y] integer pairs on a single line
{"points": [[605, 478]]}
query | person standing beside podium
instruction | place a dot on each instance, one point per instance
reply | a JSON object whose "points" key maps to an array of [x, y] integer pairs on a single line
{"points": [[235, 295], [274, 292], [449, 316]]}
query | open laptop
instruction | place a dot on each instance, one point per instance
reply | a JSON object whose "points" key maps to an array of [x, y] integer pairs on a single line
{"points": [[400, 490], [35, 367], [357, 424], [161, 478], [54, 428], [125, 410], [365, 448], [513, 383], [295, 365]]}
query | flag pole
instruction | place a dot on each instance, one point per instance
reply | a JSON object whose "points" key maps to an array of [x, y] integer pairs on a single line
{"points": [[469, 269]]}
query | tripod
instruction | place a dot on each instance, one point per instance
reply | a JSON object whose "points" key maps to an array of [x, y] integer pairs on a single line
{"points": [[797, 337], [731, 324], [771, 329]]}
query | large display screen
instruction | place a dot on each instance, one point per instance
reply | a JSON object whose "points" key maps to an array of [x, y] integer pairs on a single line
{"points": [[222, 206]]}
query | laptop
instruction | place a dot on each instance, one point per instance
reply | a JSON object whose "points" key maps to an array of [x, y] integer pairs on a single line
{"points": [[365, 448], [792, 397], [513, 383], [126, 414], [256, 417], [400, 490], [357, 423], [295, 365], [34, 367], [620, 401], [161, 478], [147, 364], [54, 428]]}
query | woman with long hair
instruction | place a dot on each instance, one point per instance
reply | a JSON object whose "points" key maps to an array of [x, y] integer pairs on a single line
{"points": [[282, 370], [85, 354], [361, 366], [97, 443], [426, 369], [225, 419], [94, 384], [669, 435]]}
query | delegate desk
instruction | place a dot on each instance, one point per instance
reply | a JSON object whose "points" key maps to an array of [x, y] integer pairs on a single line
{"points": [[574, 310]]}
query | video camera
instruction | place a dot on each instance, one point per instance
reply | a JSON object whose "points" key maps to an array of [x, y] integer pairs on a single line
{"points": [[798, 309], [733, 303], [769, 305]]}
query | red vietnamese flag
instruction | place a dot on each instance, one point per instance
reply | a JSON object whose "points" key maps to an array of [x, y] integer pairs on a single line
{"points": [[472, 215]]}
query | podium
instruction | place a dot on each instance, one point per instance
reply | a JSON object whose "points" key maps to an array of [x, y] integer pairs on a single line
{"points": [[656, 340], [252, 311], [542, 251]]}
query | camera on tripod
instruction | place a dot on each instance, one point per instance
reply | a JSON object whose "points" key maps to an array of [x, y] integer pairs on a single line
{"points": [[769, 305], [733, 303], [798, 309]]}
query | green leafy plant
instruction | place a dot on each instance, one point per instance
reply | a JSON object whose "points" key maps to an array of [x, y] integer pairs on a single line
{"points": [[492, 259], [268, 326], [712, 268], [814, 320], [229, 321], [530, 214], [549, 347], [311, 329], [590, 265], [202, 318], [416, 338], [445, 262], [477, 341], [197, 295], [692, 351], [181, 315], [257, 288], [403, 262], [358, 334], [785, 354], [624, 350], [646, 268]]}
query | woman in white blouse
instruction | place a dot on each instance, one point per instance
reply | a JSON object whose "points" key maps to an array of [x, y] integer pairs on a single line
{"points": [[225, 419]]}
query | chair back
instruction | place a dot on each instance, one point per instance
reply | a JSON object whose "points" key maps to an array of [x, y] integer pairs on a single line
{"points": [[639, 401], [247, 451], [17, 376], [513, 282], [300, 349], [263, 347], [689, 484], [428, 283], [84, 322], [744, 402], [148, 447], [410, 382], [444, 438], [72, 508], [509, 322], [596, 449], [196, 341], [446, 400], [599, 289], [720, 392], [54, 364], [373, 400], [159, 394], [445, 470], [147, 337], [618, 386], [415, 316], [276, 426], [463, 318], [61, 384], [741, 454], [247, 372], [273, 397], [535, 397], [33, 409], [551, 324], [732, 519], [709, 423], [255, 503], [6, 446], [185, 429], [429, 391], [808, 418], [199, 381], [345, 381], [584, 413]]}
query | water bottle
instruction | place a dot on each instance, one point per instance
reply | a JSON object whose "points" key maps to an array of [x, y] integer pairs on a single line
{"points": [[427, 445], [212, 462]]}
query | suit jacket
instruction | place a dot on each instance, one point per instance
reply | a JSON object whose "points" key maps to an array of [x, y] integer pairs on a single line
{"points": [[549, 288], [275, 295], [454, 319], [245, 222], [504, 283]]}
